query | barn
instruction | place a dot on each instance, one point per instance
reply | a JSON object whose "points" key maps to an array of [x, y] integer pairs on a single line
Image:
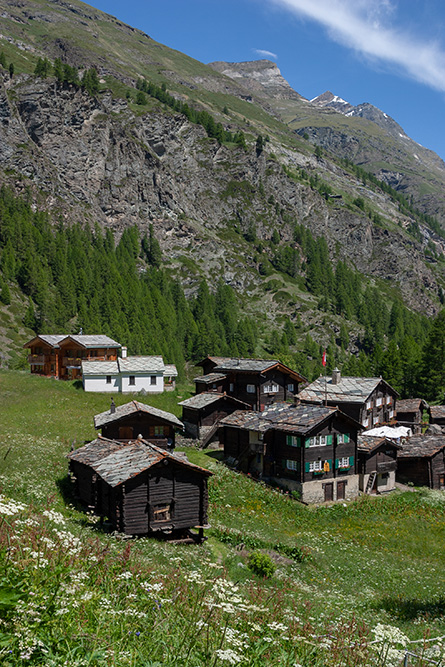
{"points": [[141, 488]]}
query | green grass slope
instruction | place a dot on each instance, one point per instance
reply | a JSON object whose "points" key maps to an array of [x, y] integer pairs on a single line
{"points": [[355, 584]]}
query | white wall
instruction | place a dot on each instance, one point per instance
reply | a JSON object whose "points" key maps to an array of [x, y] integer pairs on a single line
{"points": [[141, 382], [99, 383]]}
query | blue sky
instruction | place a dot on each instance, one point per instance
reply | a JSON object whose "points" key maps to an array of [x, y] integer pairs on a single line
{"points": [[387, 52]]}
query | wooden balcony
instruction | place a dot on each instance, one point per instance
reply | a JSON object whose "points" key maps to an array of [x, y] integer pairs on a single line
{"points": [[37, 359], [72, 362]]}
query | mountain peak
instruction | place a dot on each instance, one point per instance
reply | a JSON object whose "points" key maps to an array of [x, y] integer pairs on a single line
{"points": [[262, 77]]}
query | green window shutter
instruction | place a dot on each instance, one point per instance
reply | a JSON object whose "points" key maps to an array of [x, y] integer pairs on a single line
{"points": [[289, 440], [336, 463], [330, 464], [299, 440], [306, 466], [329, 439], [351, 461], [346, 437], [284, 464], [307, 443]]}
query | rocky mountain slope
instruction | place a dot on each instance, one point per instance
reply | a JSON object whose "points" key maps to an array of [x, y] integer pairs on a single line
{"points": [[214, 206]]}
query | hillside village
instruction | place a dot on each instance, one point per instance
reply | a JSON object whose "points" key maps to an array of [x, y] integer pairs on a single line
{"points": [[329, 440]]}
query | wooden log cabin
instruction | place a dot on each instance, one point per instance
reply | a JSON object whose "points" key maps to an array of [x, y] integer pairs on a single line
{"points": [[134, 419], [370, 401], [308, 449], [258, 382], [377, 464], [201, 412], [410, 413], [61, 356], [421, 461], [142, 489], [437, 415]]}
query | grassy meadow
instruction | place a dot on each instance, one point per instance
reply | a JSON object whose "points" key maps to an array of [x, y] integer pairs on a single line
{"points": [[356, 584]]}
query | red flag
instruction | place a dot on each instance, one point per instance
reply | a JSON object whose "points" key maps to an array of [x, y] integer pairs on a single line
{"points": [[323, 359]]}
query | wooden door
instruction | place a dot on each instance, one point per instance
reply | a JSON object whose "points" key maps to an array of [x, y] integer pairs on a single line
{"points": [[125, 432], [328, 492], [341, 488]]}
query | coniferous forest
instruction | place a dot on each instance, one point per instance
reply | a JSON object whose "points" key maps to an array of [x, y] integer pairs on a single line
{"points": [[77, 277]]}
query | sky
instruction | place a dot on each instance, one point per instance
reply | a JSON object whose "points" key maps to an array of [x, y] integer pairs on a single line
{"points": [[390, 53]]}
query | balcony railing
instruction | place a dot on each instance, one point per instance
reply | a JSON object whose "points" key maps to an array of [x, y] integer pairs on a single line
{"points": [[387, 466], [72, 362], [36, 359]]}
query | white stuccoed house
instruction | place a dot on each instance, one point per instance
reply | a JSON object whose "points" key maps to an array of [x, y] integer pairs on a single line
{"points": [[127, 374]]}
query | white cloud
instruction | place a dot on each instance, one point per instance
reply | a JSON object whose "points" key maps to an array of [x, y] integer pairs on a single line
{"points": [[365, 26], [265, 54]]}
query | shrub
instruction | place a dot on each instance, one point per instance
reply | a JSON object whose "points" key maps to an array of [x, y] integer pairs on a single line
{"points": [[261, 564]]}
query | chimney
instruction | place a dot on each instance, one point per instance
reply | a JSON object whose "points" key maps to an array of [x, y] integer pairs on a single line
{"points": [[124, 352], [336, 376], [112, 407]]}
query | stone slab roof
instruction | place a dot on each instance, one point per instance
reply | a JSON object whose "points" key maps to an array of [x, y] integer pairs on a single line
{"points": [[283, 417], [238, 364], [367, 443], [95, 450], [422, 445], [347, 390], [92, 341], [207, 398], [437, 411], [132, 459], [411, 405], [210, 378], [170, 370], [52, 340], [132, 408], [100, 368], [141, 364]]}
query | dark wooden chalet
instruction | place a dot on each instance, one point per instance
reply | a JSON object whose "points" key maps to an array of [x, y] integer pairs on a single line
{"points": [[437, 414], [141, 488], [61, 356], [127, 422], [201, 412], [370, 401], [307, 448], [410, 413], [377, 464], [422, 461], [258, 382]]}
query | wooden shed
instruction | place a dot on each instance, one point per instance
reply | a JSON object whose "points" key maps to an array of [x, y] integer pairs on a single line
{"points": [[201, 412], [422, 461], [141, 488], [410, 413], [134, 419], [377, 464], [437, 414]]}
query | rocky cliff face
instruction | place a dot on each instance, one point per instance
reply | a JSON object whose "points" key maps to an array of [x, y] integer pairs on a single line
{"points": [[260, 76], [93, 159]]}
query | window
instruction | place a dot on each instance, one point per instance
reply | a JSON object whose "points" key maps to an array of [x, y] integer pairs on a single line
{"points": [[291, 465], [231, 387], [159, 430], [391, 414], [368, 405], [290, 387], [315, 466], [292, 441], [108, 379], [250, 388], [365, 422], [388, 400], [152, 379], [271, 388], [319, 441], [343, 462], [379, 401], [343, 438], [131, 380]]}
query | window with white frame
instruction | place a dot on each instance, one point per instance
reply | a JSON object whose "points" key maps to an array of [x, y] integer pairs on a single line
{"points": [[388, 400], [292, 440], [250, 388], [271, 388], [365, 422], [320, 440], [343, 462], [368, 405], [342, 438], [315, 466], [291, 464], [379, 401], [391, 414], [290, 386]]}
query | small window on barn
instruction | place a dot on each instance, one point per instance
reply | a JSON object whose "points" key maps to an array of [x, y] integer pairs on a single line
{"points": [[108, 379], [152, 379], [388, 400], [291, 465], [342, 438], [132, 380], [290, 386], [391, 414], [250, 388], [271, 388], [162, 513], [231, 386], [368, 405], [379, 401], [365, 422], [159, 430]]}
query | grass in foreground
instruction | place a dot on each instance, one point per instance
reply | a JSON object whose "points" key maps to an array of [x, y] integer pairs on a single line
{"points": [[355, 584]]}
